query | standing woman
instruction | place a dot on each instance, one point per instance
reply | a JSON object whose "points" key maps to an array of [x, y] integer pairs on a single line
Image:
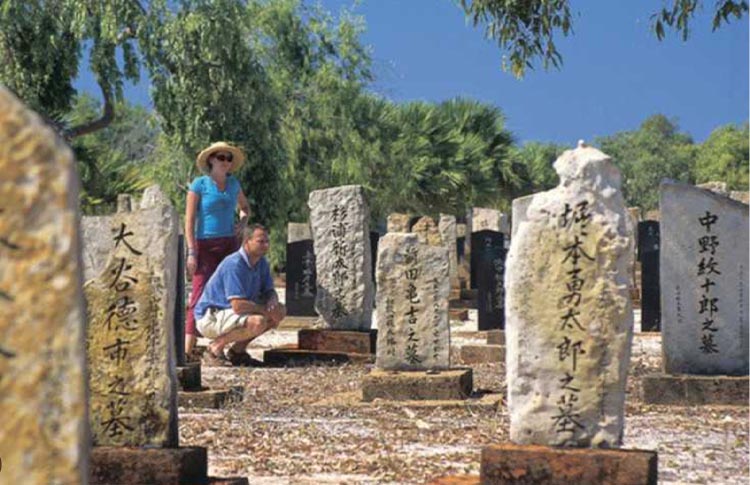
{"points": [[210, 231]]}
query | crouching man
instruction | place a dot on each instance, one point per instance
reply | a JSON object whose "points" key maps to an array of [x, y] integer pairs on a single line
{"points": [[239, 302]]}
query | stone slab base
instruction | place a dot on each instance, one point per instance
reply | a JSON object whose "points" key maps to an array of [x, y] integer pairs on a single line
{"points": [[210, 398], [287, 357], [478, 402], [228, 481], [459, 304], [456, 480], [189, 376], [688, 390], [531, 464], [461, 314], [350, 342], [496, 337], [297, 322], [482, 354], [152, 466], [417, 385]]}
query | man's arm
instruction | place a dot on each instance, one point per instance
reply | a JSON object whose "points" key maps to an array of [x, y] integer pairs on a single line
{"points": [[242, 306]]}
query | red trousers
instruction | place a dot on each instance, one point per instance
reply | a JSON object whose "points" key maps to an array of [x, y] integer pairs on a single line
{"points": [[210, 253]]}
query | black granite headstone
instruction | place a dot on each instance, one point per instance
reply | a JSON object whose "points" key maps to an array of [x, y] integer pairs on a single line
{"points": [[301, 283], [374, 239], [460, 248], [648, 255], [179, 304], [490, 248]]}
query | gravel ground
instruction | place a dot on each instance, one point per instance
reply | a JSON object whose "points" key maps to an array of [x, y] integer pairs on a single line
{"points": [[278, 436]]}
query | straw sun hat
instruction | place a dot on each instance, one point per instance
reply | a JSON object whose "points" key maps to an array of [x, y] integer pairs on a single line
{"points": [[238, 156]]}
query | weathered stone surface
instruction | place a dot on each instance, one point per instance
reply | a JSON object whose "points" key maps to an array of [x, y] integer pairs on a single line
{"points": [[483, 219], [652, 215], [297, 231], [43, 422], [398, 222], [338, 340], [569, 317], [541, 465], [97, 244], [482, 354], [339, 218], [447, 227], [691, 390], [154, 197], [460, 230], [740, 195], [520, 206], [427, 231], [496, 337], [413, 331], [138, 466], [715, 187], [130, 335], [704, 281], [417, 385]]}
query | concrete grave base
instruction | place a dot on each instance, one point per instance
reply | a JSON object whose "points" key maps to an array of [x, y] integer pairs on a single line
{"points": [[688, 390], [448, 384], [456, 480], [478, 402], [297, 322], [542, 465], [112, 465], [458, 314], [496, 337], [482, 354], [289, 357], [189, 376], [347, 341], [210, 398]]}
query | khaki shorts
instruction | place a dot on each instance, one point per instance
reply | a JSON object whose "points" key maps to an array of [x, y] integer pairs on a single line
{"points": [[216, 323]]}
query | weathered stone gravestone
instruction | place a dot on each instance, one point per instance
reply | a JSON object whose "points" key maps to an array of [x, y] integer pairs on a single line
{"points": [[490, 248], [427, 231], [339, 218], [398, 222], [518, 214], [648, 254], [301, 284], [413, 298], [569, 316], [130, 337], [43, 424], [704, 282], [447, 227]]}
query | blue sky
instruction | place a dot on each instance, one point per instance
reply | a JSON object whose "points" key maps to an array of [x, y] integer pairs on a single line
{"points": [[615, 73]]}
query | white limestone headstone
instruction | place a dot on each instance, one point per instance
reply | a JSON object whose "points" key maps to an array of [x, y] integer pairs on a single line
{"points": [[43, 394], [518, 214], [412, 317], [447, 227], [704, 281], [339, 218], [569, 324]]}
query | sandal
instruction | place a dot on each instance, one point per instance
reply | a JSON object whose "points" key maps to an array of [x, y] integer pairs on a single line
{"points": [[211, 360], [242, 359]]}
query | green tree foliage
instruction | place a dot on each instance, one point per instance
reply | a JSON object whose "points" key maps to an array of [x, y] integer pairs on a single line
{"points": [[724, 157], [526, 29], [655, 151], [537, 158], [111, 161]]}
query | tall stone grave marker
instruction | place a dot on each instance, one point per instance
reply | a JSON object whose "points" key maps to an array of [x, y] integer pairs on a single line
{"points": [[483, 219], [569, 316], [704, 281], [518, 215], [301, 285], [339, 218], [427, 231], [648, 254], [130, 338], [43, 424], [398, 222], [447, 227], [491, 248], [413, 290]]}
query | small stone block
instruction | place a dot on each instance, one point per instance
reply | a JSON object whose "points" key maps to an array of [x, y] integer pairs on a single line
{"points": [[459, 304], [148, 466], [532, 464], [228, 481], [347, 341], [210, 398], [296, 322], [285, 357], [688, 390], [496, 337], [449, 384], [189, 376], [461, 315], [456, 480], [482, 354]]}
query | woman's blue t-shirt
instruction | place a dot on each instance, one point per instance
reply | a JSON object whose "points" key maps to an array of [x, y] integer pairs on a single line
{"points": [[215, 214]]}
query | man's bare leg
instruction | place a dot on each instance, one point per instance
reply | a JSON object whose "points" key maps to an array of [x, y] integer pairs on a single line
{"points": [[254, 325]]}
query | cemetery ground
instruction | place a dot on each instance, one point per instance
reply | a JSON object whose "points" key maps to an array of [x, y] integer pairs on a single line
{"points": [[280, 433]]}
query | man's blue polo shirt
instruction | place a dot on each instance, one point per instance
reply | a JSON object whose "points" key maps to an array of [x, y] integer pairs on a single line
{"points": [[235, 278]]}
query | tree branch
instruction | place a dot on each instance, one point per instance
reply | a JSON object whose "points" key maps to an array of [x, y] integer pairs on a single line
{"points": [[108, 115]]}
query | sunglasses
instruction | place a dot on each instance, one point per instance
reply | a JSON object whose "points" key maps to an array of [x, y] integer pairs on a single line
{"points": [[223, 158]]}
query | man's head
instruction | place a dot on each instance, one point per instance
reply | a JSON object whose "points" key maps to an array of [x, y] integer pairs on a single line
{"points": [[255, 240]]}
